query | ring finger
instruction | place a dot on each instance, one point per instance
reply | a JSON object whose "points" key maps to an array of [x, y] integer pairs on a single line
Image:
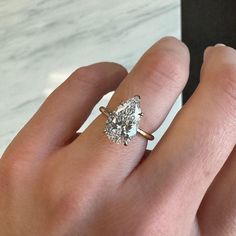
{"points": [[158, 78]]}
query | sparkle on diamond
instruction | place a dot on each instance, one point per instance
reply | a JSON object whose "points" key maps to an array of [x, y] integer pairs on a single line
{"points": [[122, 124]]}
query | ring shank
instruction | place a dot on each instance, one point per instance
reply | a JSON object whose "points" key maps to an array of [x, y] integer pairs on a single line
{"points": [[146, 135]]}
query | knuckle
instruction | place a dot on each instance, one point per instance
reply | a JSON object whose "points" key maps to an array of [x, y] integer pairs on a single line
{"points": [[65, 201], [68, 206], [166, 69]]}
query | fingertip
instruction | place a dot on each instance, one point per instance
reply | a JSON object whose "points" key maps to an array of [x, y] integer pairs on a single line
{"points": [[119, 69], [174, 44], [172, 53], [209, 49], [103, 74], [219, 54], [109, 67], [207, 52]]}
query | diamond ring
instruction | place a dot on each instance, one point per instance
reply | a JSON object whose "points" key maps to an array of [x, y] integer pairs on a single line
{"points": [[122, 124]]}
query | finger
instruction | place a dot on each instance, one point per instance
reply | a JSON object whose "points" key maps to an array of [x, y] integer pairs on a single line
{"points": [[158, 78], [66, 109], [217, 212], [198, 142]]}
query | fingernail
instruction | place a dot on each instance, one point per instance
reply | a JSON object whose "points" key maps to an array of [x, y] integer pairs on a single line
{"points": [[220, 45]]}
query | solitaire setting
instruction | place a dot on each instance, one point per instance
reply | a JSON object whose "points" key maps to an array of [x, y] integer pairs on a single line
{"points": [[122, 124]]}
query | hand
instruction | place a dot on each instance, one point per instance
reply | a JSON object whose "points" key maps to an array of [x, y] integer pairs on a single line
{"points": [[54, 182]]}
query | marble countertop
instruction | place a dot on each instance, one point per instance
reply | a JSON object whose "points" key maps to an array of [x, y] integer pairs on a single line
{"points": [[42, 42]]}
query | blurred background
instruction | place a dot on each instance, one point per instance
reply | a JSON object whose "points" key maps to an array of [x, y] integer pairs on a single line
{"points": [[43, 42]]}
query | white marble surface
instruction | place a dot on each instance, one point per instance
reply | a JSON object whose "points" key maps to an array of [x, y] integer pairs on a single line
{"points": [[42, 42]]}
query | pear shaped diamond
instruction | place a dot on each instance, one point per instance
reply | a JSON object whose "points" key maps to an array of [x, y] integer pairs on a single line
{"points": [[123, 123]]}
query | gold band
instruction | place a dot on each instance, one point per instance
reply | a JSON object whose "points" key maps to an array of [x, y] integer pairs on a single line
{"points": [[146, 135]]}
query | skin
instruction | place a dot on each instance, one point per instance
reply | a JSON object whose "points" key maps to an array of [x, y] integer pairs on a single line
{"points": [[54, 182]]}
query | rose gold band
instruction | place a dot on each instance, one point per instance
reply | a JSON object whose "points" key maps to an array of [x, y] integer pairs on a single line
{"points": [[145, 134]]}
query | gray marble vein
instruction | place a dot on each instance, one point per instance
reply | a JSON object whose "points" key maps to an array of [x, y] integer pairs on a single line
{"points": [[42, 42]]}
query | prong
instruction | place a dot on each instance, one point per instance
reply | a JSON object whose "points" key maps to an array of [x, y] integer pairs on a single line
{"points": [[137, 96], [141, 114], [105, 111], [126, 141]]}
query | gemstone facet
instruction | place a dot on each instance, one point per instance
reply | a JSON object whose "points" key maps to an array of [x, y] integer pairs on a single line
{"points": [[123, 123]]}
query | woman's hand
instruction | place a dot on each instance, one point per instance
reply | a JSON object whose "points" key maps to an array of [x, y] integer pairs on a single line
{"points": [[54, 182]]}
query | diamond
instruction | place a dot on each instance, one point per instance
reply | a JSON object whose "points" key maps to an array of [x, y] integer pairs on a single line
{"points": [[123, 123]]}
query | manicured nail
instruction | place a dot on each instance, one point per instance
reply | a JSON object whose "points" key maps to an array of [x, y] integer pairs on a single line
{"points": [[220, 45]]}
